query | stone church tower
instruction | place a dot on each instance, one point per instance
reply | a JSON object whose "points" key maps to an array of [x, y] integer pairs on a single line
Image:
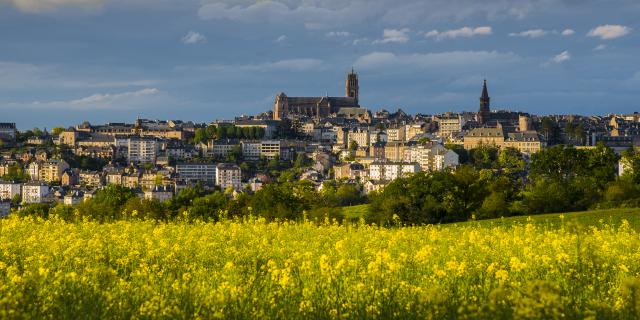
{"points": [[352, 87], [484, 113]]}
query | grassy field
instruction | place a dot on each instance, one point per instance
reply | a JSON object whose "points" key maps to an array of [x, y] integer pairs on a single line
{"points": [[584, 218], [541, 268]]}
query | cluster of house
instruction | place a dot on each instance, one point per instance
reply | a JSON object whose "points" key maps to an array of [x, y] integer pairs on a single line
{"points": [[343, 140]]}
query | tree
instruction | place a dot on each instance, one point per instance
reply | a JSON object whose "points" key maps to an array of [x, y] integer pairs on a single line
{"points": [[511, 161], [278, 201], [550, 130], [353, 145], [150, 209], [429, 198], [200, 135], [106, 204], [484, 157], [57, 131]]}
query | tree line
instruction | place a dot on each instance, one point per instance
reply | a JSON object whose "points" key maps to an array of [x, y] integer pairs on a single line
{"points": [[491, 183]]}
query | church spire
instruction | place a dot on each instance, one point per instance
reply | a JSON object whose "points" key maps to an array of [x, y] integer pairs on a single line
{"points": [[484, 113], [485, 92]]}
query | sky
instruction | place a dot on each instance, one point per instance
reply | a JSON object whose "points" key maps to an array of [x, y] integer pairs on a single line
{"points": [[67, 61]]}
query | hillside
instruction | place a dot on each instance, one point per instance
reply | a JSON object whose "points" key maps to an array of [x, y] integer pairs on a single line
{"points": [[584, 218]]}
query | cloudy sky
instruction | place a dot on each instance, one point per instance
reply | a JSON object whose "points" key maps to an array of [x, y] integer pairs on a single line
{"points": [[66, 61]]}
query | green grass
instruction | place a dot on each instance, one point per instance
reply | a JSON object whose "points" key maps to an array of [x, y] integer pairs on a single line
{"points": [[355, 212], [584, 218]]}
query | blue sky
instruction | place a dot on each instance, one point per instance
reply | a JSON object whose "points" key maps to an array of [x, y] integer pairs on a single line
{"points": [[66, 61]]}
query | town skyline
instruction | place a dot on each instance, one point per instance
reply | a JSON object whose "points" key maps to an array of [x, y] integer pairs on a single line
{"points": [[68, 62]]}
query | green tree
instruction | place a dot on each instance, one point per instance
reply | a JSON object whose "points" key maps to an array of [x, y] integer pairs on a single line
{"points": [[57, 131], [353, 145], [106, 204]]}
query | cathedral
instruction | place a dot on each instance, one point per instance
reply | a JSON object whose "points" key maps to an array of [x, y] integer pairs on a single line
{"points": [[317, 107]]}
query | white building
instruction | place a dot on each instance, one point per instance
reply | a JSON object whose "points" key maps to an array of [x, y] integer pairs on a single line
{"points": [[228, 175], [8, 190], [191, 172], [142, 150], [34, 192], [445, 158], [251, 150], [392, 170], [431, 157], [34, 170]]}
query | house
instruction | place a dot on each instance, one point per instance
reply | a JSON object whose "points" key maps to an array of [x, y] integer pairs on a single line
{"points": [[255, 184], [73, 198], [91, 178], [34, 192], [5, 208], [8, 190], [159, 193], [220, 148], [349, 171], [373, 186], [115, 177], [70, 178], [228, 175], [131, 180]]}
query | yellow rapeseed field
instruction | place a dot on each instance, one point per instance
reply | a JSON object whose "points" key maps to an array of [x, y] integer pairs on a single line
{"points": [[255, 270]]}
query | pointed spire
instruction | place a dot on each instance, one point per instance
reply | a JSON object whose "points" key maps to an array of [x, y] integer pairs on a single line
{"points": [[485, 92]]}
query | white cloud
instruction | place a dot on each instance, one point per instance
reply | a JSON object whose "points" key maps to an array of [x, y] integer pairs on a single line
{"points": [[444, 60], [609, 31], [562, 57], [35, 6], [329, 14], [282, 38], [360, 40], [466, 32], [120, 101], [567, 32], [600, 47], [394, 36], [333, 34], [534, 33], [193, 37]]}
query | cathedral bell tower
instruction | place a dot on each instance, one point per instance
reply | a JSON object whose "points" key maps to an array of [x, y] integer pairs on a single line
{"points": [[352, 87], [484, 113]]}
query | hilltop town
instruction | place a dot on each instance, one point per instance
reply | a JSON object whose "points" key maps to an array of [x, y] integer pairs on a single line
{"points": [[316, 139]]}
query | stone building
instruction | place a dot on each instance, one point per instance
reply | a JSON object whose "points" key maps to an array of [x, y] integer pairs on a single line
{"points": [[318, 107]]}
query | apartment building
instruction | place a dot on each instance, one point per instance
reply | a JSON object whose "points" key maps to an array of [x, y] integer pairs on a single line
{"points": [[228, 175], [192, 172], [142, 150], [8, 190], [382, 170], [34, 192], [52, 170], [449, 125]]}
